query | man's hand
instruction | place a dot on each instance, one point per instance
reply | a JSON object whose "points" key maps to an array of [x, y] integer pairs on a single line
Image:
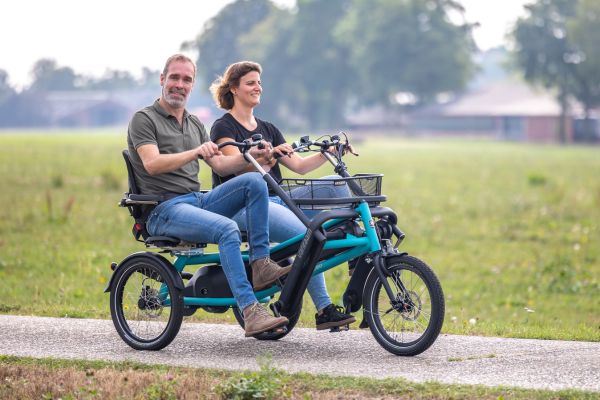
{"points": [[208, 150], [260, 151]]}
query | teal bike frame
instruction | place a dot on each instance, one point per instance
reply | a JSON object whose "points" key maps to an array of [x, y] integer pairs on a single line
{"points": [[355, 247]]}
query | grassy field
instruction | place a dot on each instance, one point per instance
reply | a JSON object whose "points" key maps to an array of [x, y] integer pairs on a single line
{"points": [[25, 378], [512, 230]]}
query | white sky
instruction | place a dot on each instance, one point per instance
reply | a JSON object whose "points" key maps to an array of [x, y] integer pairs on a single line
{"points": [[92, 36]]}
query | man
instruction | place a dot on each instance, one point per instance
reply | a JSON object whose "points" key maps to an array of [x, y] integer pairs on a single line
{"points": [[165, 142]]}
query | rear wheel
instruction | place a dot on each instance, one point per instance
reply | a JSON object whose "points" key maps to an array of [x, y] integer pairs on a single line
{"points": [[409, 323], [145, 305]]}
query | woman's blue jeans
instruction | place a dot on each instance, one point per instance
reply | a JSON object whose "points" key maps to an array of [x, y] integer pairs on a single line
{"points": [[206, 218], [284, 225]]}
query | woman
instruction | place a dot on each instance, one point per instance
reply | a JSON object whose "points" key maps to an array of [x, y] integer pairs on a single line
{"points": [[239, 92]]}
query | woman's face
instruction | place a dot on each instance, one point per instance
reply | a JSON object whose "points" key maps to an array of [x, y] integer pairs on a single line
{"points": [[249, 91]]}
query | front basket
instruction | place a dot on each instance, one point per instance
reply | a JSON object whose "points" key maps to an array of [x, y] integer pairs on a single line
{"points": [[335, 192]]}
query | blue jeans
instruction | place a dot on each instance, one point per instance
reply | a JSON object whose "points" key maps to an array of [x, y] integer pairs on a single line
{"points": [[283, 225], [206, 218]]}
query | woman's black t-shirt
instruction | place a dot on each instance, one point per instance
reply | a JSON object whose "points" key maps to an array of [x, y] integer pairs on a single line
{"points": [[228, 127]]}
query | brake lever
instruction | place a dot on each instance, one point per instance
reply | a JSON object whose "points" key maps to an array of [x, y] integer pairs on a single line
{"points": [[299, 148], [348, 147]]}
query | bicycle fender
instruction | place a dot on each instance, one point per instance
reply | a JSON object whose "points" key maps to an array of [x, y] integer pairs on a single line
{"points": [[152, 256]]}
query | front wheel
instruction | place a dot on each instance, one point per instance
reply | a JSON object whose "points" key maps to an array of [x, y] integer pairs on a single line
{"points": [[409, 323], [145, 305]]}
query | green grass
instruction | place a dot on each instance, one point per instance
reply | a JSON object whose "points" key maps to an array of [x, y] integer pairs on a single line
{"points": [[27, 378], [512, 230]]}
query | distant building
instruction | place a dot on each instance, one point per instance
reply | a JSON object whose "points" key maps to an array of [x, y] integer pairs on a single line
{"points": [[94, 108], [508, 109]]}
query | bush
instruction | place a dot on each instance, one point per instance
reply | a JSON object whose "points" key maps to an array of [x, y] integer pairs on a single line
{"points": [[267, 383]]}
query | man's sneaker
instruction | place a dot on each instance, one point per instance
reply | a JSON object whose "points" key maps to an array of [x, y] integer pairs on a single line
{"points": [[258, 320], [333, 316], [266, 271]]}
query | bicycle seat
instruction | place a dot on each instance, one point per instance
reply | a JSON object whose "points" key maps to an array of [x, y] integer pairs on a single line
{"points": [[139, 206]]}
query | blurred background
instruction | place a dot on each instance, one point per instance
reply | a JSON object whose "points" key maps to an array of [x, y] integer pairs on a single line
{"points": [[516, 70], [455, 98]]}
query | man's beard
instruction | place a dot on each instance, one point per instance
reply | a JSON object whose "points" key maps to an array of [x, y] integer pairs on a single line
{"points": [[173, 101]]}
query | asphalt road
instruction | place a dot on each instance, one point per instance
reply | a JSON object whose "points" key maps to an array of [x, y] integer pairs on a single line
{"points": [[541, 364]]}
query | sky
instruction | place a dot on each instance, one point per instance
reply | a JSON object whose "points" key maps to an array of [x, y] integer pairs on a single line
{"points": [[93, 36]]}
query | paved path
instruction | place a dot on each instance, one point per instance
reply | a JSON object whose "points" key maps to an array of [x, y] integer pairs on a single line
{"points": [[543, 364]]}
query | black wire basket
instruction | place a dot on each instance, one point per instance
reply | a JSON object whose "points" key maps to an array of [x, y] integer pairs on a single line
{"points": [[335, 192]]}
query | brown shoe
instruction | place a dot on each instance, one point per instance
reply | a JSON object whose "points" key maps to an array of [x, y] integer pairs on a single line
{"points": [[266, 271], [258, 320]]}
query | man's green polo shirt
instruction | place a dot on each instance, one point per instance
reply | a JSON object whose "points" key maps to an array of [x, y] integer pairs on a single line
{"points": [[153, 125]]}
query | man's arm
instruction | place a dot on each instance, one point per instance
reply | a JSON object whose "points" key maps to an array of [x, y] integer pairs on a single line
{"points": [[156, 163]]}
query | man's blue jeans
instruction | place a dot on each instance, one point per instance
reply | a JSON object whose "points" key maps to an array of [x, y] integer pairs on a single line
{"points": [[206, 218]]}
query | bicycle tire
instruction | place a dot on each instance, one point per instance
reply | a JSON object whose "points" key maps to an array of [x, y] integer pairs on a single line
{"points": [[413, 324], [142, 317]]}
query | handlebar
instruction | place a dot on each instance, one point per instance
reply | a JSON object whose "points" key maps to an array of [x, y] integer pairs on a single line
{"points": [[244, 146], [305, 144], [334, 157]]}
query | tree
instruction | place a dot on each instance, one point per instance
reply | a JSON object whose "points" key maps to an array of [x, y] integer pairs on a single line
{"points": [[542, 50], [267, 44], [217, 44], [318, 76], [6, 91], [583, 32], [305, 70], [112, 80], [48, 76], [407, 46]]}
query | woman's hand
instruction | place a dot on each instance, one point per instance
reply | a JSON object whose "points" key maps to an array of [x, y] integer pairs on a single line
{"points": [[284, 149], [346, 149]]}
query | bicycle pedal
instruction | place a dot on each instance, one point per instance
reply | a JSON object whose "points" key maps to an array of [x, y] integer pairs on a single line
{"points": [[282, 329], [339, 328]]}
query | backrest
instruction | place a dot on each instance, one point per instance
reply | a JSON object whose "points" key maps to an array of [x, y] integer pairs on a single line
{"points": [[136, 211], [133, 188]]}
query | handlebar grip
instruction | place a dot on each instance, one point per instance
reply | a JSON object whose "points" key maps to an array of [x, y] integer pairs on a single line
{"points": [[278, 156]]}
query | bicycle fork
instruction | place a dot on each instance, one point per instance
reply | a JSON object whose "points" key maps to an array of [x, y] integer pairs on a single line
{"points": [[376, 250]]}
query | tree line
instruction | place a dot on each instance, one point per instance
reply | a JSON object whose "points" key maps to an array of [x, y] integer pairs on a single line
{"points": [[29, 107], [326, 59]]}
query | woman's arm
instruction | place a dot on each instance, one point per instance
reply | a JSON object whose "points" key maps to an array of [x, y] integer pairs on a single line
{"points": [[300, 165]]}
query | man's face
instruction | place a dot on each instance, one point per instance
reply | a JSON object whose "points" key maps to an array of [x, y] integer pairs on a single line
{"points": [[177, 83]]}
